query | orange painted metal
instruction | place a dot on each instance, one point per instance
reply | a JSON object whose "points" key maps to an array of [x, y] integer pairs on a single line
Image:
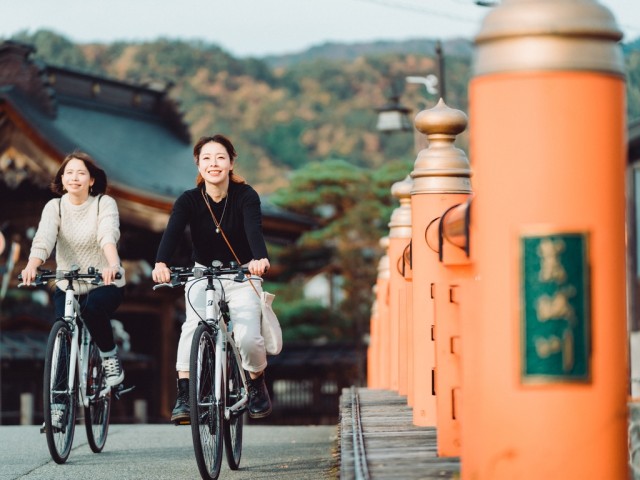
{"points": [[383, 321], [454, 270], [397, 317], [408, 277], [427, 275], [441, 180], [548, 149], [373, 351]]}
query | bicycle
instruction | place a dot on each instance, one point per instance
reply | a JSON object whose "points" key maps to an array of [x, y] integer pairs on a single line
{"points": [[66, 387], [218, 390]]}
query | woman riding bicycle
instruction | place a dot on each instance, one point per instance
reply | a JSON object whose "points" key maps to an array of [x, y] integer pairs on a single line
{"points": [[83, 226], [222, 194]]}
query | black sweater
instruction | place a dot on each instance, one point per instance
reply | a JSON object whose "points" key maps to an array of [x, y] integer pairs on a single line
{"points": [[242, 224]]}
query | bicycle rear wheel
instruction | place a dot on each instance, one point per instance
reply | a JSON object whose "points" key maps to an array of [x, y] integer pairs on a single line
{"points": [[59, 396], [96, 415], [206, 412], [233, 426]]}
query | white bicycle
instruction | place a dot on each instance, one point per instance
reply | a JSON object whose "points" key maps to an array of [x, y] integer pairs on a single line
{"points": [[73, 373], [218, 391]]}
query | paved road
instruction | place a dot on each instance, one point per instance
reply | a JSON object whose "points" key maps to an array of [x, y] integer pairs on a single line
{"points": [[165, 452]]}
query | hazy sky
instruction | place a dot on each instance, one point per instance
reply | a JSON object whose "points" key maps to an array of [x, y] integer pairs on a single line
{"points": [[262, 27]]}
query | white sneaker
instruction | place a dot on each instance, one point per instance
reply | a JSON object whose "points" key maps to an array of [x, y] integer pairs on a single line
{"points": [[114, 374], [57, 415]]}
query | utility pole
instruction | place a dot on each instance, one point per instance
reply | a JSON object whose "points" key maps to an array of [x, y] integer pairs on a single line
{"points": [[441, 79]]}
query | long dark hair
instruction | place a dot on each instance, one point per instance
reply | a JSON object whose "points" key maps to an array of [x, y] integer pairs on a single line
{"points": [[99, 176], [226, 143]]}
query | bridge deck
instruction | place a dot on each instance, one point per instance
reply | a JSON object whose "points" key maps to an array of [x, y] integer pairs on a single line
{"points": [[393, 446]]}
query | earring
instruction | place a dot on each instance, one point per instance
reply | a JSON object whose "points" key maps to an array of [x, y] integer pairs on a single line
{"points": [[90, 189]]}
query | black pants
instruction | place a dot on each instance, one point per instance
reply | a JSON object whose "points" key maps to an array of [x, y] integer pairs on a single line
{"points": [[96, 309]]}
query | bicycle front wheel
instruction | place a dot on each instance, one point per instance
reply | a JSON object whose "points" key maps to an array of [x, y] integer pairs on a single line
{"points": [[233, 425], [96, 415], [206, 411], [59, 395]]}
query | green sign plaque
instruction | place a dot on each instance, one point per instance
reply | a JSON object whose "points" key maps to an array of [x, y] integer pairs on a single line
{"points": [[556, 317]]}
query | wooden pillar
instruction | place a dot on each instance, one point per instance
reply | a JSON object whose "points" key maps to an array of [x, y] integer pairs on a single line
{"points": [[546, 384]]}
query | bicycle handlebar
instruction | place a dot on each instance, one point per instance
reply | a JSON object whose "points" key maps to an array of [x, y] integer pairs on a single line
{"points": [[180, 275], [74, 274]]}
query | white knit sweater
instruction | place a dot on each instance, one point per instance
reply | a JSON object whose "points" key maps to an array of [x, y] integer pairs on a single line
{"points": [[78, 233]]}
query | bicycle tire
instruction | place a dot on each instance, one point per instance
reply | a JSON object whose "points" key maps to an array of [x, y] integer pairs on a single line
{"points": [[233, 425], [206, 415], [59, 397], [96, 415]]}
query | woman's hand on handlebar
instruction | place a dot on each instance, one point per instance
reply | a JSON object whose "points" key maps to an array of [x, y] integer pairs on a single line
{"points": [[109, 274], [258, 267], [161, 273], [30, 271]]}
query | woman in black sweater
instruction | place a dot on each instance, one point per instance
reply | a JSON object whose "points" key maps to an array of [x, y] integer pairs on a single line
{"points": [[236, 207]]}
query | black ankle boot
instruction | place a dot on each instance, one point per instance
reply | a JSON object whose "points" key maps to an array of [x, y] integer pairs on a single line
{"points": [[259, 401], [180, 414]]}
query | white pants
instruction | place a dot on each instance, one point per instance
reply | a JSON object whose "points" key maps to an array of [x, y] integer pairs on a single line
{"points": [[244, 307]]}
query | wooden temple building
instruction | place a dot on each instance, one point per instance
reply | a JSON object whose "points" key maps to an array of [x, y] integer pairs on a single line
{"points": [[137, 135]]}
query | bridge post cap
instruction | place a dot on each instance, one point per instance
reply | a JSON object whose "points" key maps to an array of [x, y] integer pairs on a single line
{"points": [[441, 119], [400, 222], [548, 35], [402, 189], [441, 167]]}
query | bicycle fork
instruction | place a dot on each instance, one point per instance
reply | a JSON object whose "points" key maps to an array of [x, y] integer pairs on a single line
{"points": [[79, 356], [222, 343], [220, 371]]}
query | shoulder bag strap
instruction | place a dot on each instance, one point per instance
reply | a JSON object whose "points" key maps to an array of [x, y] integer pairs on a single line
{"points": [[219, 227]]}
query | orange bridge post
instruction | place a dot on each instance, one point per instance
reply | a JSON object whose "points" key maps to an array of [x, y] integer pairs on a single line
{"points": [[545, 382]]}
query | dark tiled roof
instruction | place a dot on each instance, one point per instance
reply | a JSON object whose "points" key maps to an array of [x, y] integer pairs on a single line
{"points": [[134, 132], [138, 152]]}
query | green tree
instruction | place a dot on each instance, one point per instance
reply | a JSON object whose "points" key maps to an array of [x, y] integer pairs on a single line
{"points": [[354, 205]]}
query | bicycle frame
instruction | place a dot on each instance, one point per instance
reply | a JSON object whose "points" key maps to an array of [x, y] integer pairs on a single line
{"points": [[223, 333], [81, 338]]}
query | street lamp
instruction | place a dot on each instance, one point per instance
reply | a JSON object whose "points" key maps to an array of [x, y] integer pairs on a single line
{"points": [[394, 117]]}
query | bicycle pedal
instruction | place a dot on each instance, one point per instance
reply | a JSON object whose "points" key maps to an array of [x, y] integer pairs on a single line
{"points": [[43, 429], [182, 422], [121, 390]]}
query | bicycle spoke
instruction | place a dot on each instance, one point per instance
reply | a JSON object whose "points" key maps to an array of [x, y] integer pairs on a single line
{"points": [[233, 426], [206, 413], [59, 396], [97, 414]]}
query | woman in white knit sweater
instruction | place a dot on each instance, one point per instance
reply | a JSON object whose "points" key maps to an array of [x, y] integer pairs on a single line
{"points": [[83, 226]]}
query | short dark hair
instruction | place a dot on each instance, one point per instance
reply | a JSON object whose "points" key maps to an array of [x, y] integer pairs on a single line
{"points": [[99, 176]]}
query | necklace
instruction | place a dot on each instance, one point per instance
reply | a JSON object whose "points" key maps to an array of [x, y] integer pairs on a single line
{"points": [[224, 209]]}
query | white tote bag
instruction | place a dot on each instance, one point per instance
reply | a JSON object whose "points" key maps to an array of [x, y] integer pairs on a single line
{"points": [[269, 326], [271, 331]]}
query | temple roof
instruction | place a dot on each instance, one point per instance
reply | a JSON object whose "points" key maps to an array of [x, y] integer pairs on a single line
{"points": [[136, 133]]}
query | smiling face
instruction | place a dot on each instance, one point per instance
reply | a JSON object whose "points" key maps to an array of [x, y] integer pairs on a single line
{"points": [[76, 178], [214, 164]]}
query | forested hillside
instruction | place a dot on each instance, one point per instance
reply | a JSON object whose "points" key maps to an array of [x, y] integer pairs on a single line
{"points": [[283, 113], [286, 111]]}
